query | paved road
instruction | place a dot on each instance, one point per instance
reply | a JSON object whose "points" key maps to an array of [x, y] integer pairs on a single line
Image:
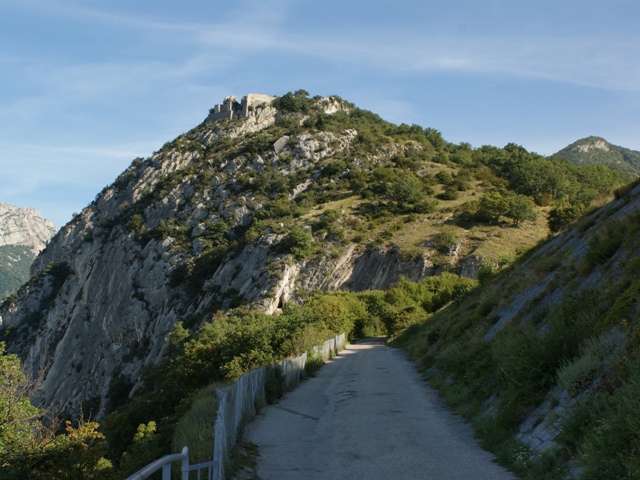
{"points": [[369, 415]]}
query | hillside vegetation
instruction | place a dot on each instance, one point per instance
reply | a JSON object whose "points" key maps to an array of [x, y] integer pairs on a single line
{"points": [[250, 239], [262, 210], [318, 180], [544, 357]]}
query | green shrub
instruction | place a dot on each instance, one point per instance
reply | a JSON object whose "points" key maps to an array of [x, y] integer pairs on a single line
{"points": [[605, 243], [577, 374], [611, 450], [298, 242], [563, 214], [450, 193], [446, 239], [486, 271], [369, 326], [311, 366], [295, 102]]}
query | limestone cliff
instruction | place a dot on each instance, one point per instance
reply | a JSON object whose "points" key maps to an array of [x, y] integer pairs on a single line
{"points": [[24, 226], [256, 209]]}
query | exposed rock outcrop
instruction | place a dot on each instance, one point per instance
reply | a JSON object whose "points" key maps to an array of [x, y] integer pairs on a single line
{"points": [[24, 226]]}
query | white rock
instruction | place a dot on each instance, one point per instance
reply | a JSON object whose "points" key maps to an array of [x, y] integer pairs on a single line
{"points": [[24, 226], [280, 144]]}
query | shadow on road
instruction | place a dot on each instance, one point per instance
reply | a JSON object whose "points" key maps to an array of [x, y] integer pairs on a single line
{"points": [[372, 341]]}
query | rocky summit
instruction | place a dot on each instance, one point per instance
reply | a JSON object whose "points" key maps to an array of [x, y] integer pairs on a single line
{"points": [[268, 199]]}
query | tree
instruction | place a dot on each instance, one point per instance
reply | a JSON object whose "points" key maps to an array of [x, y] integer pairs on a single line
{"points": [[520, 208], [76, 455], [144, 449], [435, 138], [406, 190], [298, 242], [19, 420], [492, 206], [563, 213], [30, 450]]}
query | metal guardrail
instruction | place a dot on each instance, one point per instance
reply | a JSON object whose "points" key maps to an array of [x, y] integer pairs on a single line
{"points": [[236, 405], [165, 462]]}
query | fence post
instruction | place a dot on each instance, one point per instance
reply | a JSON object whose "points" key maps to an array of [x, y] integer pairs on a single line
{"points": [[185, 464]]}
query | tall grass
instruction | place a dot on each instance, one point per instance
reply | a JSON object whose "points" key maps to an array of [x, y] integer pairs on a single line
{"points": [[196, 428], [577, 374]]}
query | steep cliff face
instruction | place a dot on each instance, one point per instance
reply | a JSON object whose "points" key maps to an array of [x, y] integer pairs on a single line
{"points": [[249, 210]]}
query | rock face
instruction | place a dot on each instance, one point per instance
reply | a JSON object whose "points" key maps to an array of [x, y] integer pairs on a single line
{"points": [[596, 144], [24, 226], [199, 226]]}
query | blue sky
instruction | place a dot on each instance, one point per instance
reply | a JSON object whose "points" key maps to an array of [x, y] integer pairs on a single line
{"points": [[88, 85]]}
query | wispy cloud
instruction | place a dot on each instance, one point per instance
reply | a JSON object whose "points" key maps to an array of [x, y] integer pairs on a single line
{"points": [[222, 42], [583, 61]]}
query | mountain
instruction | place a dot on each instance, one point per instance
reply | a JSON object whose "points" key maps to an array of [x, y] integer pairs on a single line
{"points": [[23, 234], [543, 358], [267, 201], [596, 150]]}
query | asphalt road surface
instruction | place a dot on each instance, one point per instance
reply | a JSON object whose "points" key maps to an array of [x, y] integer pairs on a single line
{"points": [[369, 415]]}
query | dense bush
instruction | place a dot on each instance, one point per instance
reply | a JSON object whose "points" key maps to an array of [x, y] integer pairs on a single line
{"points": [[29, 448]]}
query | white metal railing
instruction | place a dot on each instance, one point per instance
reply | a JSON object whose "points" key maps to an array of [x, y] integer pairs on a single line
{"points": [[236, 405], [237, 402], [165, 463]]}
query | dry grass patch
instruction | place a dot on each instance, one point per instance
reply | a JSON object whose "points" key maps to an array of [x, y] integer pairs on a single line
{"points": [[493, 242], [348, 204]]}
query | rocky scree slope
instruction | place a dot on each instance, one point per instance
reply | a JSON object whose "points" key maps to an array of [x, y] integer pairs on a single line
{"points": [[259, 210], [23, 234]]}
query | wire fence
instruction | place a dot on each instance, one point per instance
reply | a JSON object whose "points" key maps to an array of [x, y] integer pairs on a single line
{"points": [[237, 404]]}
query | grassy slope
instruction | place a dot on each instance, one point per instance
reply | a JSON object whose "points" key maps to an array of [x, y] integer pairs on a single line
{"points": [[550, 349]]}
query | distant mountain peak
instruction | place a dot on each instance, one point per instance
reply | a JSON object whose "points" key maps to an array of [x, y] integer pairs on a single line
{"points": [[590, 143], [24, 226], [23, 234], [596, 150]]}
